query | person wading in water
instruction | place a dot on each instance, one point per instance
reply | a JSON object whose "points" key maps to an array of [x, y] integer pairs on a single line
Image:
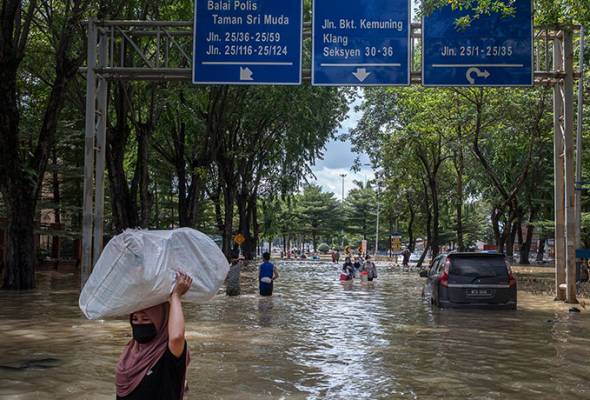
{"points": [[347, 270], [153, 364], [267, 274], [370, 268]]}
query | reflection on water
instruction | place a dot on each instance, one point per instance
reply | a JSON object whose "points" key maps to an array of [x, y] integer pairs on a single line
{"points": [[316, 338]]}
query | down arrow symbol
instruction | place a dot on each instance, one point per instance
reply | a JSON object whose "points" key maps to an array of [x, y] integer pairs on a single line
{"points": [[361, 74]]}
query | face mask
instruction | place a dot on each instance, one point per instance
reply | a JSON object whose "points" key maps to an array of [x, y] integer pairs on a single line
{"points": [[144, 333]]}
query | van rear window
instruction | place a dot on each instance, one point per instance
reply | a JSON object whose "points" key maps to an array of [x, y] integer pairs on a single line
{"points": [[478, 266]]}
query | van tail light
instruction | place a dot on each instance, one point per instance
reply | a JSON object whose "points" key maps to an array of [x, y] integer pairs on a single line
{"points": [[511, 278], [443, 278]]}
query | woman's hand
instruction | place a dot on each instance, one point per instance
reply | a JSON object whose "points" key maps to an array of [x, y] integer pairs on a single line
{"points": [[183, 284]]}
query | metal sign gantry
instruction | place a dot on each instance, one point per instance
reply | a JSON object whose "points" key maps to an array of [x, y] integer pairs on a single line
{"points": [[162, 51]]}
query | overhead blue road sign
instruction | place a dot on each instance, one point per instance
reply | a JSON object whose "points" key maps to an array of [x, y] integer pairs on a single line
{"points": [[495, 50], [248, 42], [361, 43]]}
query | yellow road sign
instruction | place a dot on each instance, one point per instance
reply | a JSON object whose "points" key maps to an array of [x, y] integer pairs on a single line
{"points": [[239, 239], [396, 243]]}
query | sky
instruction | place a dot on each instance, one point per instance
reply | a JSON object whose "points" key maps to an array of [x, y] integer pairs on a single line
{"points": [[338, 159]]}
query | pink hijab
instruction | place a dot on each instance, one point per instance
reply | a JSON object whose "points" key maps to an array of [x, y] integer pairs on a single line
{"points": [[137, 358]]}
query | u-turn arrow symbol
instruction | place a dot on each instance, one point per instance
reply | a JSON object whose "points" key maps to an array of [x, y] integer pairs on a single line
{"points": [[480, 74]]}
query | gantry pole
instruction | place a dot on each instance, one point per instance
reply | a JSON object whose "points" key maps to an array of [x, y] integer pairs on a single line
{"points": [[558, 168], [569, 192], [89, 139], [100, 151]]}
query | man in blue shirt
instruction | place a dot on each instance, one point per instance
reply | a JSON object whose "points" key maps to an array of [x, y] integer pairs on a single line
{"points": [[267, 274]]}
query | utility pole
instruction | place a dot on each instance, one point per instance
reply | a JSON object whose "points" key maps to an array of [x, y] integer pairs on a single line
{"points": [[579, 143], [342, 208]]}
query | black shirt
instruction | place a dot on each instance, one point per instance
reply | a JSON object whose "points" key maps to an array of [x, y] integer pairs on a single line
{"points": [[164, 381]]}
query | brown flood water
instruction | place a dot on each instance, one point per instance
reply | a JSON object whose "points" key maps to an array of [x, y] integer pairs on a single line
{"points": [[315, 339]]}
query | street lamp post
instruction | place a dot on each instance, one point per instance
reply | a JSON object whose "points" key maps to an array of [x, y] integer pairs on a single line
{"points": [[377, 227]]}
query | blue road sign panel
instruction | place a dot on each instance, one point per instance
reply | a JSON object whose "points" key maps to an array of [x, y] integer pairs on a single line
{"points": [[361, 43], [248, 42], [495, 50]]}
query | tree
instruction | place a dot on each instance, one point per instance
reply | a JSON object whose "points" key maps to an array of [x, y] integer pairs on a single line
{"points": [[361, 211], [318, 212], [548, 12], [25, 150], [185, 144], [415, 119]]}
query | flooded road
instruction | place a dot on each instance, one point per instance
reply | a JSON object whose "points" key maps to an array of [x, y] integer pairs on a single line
{"points": [[316, 338]]}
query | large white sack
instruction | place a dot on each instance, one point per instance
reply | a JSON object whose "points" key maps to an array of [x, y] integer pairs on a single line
{"points": [[137, 269]]}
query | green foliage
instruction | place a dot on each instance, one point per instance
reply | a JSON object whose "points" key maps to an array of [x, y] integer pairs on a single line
{"points": [[361, 211], [547, 12], [317, 212], [324, 248]]}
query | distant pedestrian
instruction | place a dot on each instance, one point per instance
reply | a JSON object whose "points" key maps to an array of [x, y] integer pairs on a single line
{"points": [[370, 268], [267, 274], [232, 287], [357, 265], [406, 257], [347, 270]]}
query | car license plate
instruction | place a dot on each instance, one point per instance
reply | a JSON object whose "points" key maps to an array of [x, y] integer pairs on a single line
{"points": [[479, 292]]}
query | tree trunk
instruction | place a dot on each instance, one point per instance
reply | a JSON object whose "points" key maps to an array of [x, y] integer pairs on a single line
{"points": [[248, 247], [253, 214], [156, 198], [123, 206], [285, 246], [505, 238], [435, 217], [183, 207], [411, 238], [495, 217], [216, 199], [511, 229], [459, 201], [20, 268], [55, 240], [428, 214], [541, 250], [228, 204], [525, 249], [142, 174]]}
